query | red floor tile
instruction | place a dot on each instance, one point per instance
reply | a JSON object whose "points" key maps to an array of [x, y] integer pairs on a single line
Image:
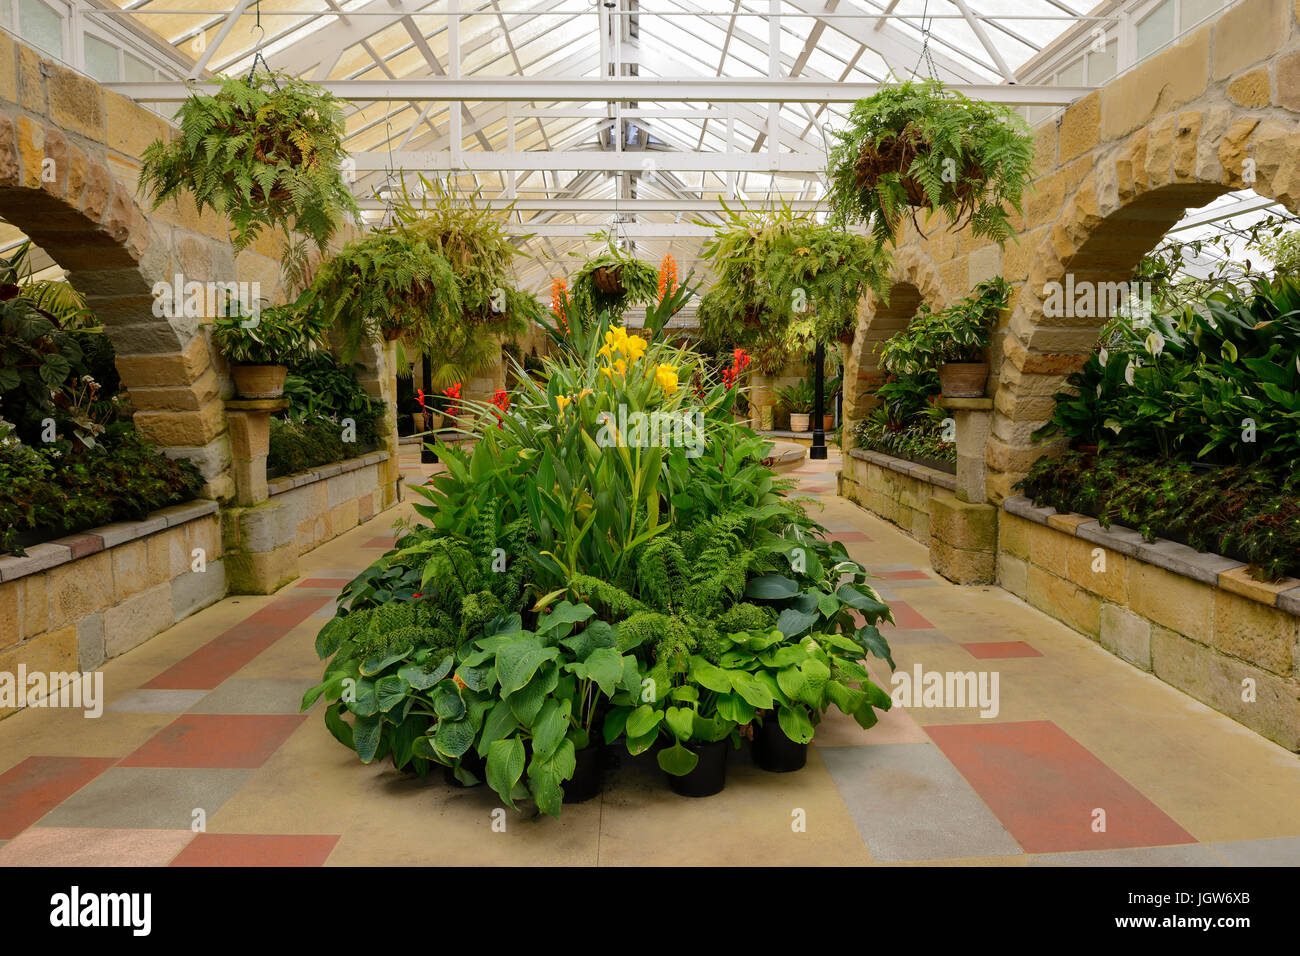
{"points": [[228, 652], [239, 849], [383, 541], [992, 649], [225, 741], [36, 786], [906, 617], [1045, 786], [847, 536], [333, 583], [903, 575]]}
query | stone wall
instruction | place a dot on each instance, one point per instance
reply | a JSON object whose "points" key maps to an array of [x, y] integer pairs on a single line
{"points": [[70, 604], [893, 488], [1197, 621], [263, 542]]}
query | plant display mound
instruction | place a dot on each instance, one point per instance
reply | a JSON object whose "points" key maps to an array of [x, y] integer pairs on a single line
{"points": [[1247, 512], [575, 579]]}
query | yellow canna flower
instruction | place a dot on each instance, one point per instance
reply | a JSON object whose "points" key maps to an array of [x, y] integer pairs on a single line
{"points": [[666, 377], [584, 393], [561, 401], [634, 347]]}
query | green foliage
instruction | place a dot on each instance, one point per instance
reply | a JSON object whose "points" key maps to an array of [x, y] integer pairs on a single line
{"points": [[581, 570], [959, 333], [274, 335], [1218, 381], [389, 284], [262, 151], [800, 397], [918, 145], [439, 279], [47, 491], [921, 439], [1250, 512], [783, 282], [639, 281]]}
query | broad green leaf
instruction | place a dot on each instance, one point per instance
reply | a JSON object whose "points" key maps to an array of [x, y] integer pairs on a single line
{"points": [[709, 676], [505, 767], [643, 720], [366, 732], [795, 723], [453, 737], [549, 727], [677, 760]]}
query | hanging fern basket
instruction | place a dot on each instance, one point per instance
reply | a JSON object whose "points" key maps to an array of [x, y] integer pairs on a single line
{"points": [[896, 154], [264, 151], [609, 280], [920, 146]]}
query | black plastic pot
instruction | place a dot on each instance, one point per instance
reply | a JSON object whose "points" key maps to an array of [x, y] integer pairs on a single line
{"points": [[709, 775], [774, 751], [588, 776], [472, 762]]}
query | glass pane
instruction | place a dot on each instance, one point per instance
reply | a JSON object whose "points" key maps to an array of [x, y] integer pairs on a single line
{"points": [[1102, 65], [7, 15], [41, 25], [1194, 11], [101, 60], [1156, 30], [137, 71], [1072, 75]]}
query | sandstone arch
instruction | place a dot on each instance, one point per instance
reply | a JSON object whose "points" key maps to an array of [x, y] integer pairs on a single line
{"points": [[914, 279]]}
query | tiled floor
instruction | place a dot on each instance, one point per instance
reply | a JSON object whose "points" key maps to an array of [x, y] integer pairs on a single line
{"points": [[201, 758]]}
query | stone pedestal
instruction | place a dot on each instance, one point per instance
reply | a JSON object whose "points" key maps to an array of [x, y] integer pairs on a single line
{"points": [[258, 535], [963, 525], [249, 423], [973, 418]]}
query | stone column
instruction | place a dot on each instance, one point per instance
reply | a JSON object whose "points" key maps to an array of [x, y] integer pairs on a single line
{"points": [[963, 525], [259, 535], [973, 418]]}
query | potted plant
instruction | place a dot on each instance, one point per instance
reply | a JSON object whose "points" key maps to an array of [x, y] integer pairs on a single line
{"points": [[954, 341], [799, 399], [783, 281], [614, 281], [918, 145], [261, 346], [265, 150]]}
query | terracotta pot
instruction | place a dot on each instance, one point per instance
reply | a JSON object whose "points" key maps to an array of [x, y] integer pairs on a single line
{"points": [[609, 280], [259, 381], [828, 423], [963, 379], [800, 422]]}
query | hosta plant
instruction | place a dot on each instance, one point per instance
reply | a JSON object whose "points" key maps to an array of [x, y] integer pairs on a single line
{"points": [[263, 151], [919, 145]]}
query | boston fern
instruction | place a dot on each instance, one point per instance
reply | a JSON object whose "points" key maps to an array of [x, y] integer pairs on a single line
{"points": [[262, 151], [785, 281], [638, 281], [389, 284], [919, 145]]}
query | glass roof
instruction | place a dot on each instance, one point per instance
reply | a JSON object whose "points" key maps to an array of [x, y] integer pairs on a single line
{"points": [[960, 41]]}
